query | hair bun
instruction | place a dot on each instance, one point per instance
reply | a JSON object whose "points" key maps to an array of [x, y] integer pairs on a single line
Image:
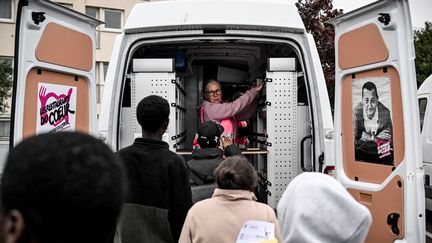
{"points": [[228, 174]]}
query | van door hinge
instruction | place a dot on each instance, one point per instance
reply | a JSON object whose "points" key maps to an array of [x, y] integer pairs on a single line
{"points": [[38, 17], [268, 80]]}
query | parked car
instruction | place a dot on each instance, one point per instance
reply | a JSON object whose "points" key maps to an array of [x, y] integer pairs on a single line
{"points": [[424, 96]]}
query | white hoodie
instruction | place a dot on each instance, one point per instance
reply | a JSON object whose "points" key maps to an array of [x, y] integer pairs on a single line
{"points": [[317, 208]]}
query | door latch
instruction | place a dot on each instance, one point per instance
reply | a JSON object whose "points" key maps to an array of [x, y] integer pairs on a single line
{"points": [[384, 18], [38, 17]]}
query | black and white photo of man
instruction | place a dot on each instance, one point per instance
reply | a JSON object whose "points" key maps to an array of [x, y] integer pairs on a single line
{"points": [[372, 123]]}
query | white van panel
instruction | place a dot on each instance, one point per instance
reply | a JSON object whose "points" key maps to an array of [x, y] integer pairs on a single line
{"points": [[425, 91], [323, 126], [281, 64], [111, 94], [153, 65], [375, 44], [282, 132], [316, 104], [45, 63], [426, 87], [425, 94], [157, 15], [156, 83]]}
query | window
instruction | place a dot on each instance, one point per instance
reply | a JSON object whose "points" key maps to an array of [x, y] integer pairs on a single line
{"points": [[113, 19], [98, 81], [4, 130], [94, 12], [6, 10], [105, 69], [100, 77], [422, 109], [67, 5]]}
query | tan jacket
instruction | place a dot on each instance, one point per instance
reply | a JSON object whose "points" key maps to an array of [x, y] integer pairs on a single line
{"points": [[220, 218]]}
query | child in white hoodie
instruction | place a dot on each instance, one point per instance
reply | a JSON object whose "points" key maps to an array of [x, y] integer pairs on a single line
{"points": [[317, 208]]}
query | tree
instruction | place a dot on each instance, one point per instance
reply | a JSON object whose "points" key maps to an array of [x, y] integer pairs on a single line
{"points": [[314, 14], [423, 51], [5, 84]]}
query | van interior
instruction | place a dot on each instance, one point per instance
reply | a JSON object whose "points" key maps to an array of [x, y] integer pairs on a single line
{"points": [[238, 65]]}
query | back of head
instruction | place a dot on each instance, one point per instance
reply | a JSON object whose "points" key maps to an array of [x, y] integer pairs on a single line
{"points": [[152, 113], [68, 187], [236, 173], [316, 208], [209, 134]]}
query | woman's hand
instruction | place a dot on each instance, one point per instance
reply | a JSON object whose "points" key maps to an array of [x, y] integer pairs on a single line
{"points": [[259, 87]]}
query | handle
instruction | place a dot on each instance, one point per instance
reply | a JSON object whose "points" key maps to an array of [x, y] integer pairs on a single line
{"points": [[302, 164]]}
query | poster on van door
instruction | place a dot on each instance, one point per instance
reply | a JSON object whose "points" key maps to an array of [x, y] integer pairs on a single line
{"points": [[372, 120], [56, 108]]}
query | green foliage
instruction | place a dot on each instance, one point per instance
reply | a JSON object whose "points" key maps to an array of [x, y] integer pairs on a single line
{"points": [[314, 14], [423, 51], [5, 84]]}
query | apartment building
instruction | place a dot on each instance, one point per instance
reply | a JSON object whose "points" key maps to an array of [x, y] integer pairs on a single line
{"points": [[112, 12]]}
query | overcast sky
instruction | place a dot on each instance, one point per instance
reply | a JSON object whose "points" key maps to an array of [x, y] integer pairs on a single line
{"points": [[421, 10]]}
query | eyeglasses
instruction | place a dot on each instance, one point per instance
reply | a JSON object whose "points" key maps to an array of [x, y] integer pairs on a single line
{"points": [[214, 92]]}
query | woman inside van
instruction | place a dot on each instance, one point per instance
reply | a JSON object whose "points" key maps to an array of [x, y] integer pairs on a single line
{"points": [[220, 218], [230, 114]]}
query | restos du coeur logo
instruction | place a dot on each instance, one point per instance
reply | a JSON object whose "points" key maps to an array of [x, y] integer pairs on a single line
{"points": [[56, 108]]}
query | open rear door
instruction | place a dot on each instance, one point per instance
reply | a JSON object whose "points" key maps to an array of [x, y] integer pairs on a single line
{"points": [[378, 156], [54, 79]]}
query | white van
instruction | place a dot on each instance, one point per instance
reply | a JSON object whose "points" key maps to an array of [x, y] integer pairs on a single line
{"points": [[424, 96], [169, 48]]}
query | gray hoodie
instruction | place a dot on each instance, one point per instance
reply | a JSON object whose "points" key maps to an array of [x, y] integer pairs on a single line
{"points": [[317, 208]]}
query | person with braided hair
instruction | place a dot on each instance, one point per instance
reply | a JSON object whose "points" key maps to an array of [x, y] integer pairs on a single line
{"points": [[220, 218]]}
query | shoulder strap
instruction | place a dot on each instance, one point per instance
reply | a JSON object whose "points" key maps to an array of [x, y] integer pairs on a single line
{"points": [[202, 114]]}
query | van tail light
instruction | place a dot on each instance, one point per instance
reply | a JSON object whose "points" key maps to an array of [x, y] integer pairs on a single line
{"points": [[330, 170]]}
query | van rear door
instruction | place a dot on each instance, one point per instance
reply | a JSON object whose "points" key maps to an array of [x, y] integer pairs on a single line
{"points": [[378, 157], [54, 78]]}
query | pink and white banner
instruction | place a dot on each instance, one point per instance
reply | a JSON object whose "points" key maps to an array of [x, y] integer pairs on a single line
{"points": [[56, 108]]}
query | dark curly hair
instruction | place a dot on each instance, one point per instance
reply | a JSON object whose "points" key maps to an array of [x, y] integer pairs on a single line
{"points": [[69, 187], [152, 112], [370, 86], [236, 173]]}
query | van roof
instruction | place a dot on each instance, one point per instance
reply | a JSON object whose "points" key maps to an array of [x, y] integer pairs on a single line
{"points": [[426, 86], [197, 14]]}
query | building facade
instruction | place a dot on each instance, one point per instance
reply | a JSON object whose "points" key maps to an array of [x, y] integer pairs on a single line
{"points": [[112, 12]]}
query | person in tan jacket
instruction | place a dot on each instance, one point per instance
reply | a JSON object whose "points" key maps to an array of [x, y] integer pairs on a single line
{"points": [[220, 218]]}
